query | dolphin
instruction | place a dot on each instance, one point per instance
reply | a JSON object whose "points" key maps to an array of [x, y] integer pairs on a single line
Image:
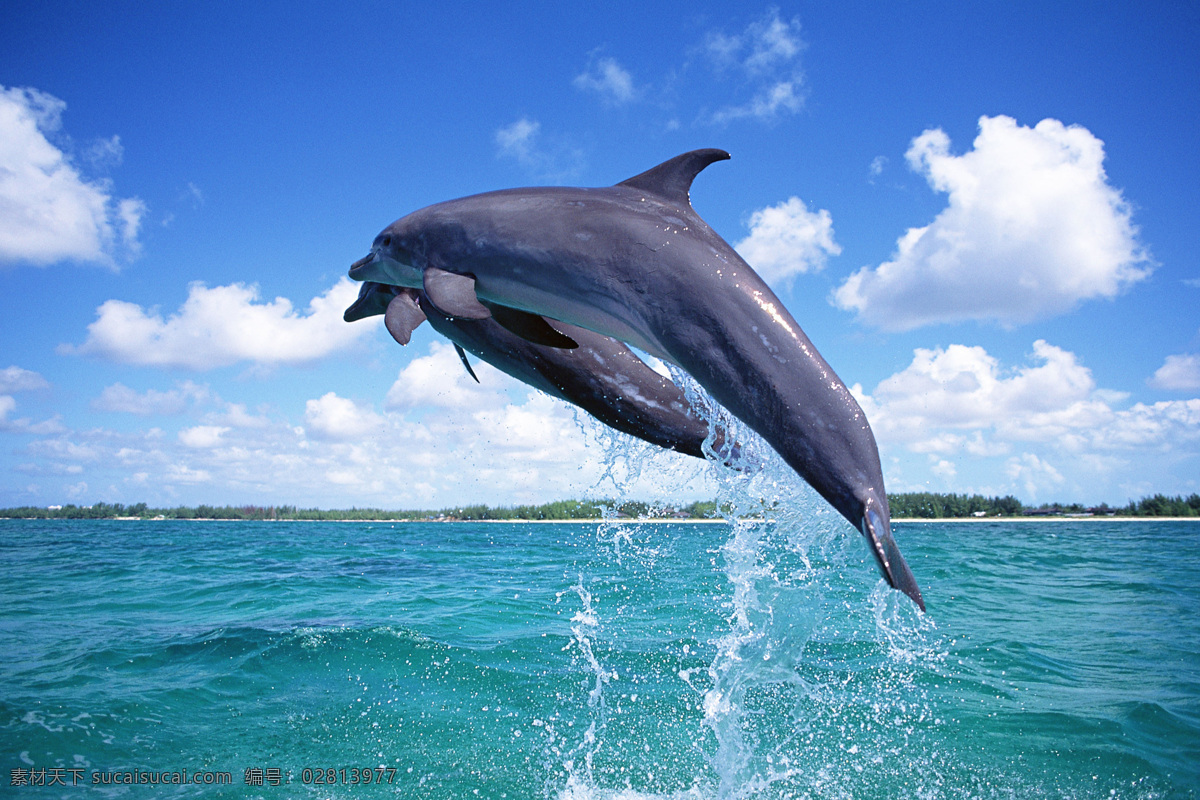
{"points": [[599, 374], [636, 262]]}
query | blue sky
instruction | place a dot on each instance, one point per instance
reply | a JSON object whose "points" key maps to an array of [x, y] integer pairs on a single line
{"points": [[984, 215]]}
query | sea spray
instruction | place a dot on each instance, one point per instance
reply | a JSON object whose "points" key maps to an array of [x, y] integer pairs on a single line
{"points": [[761, 704]]}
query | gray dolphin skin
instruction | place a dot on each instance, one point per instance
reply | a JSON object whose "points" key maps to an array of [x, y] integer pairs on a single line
{"points": [[600, 375], [635, 262]]}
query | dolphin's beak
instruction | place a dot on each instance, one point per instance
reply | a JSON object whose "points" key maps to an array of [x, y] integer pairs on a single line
{"points": [[359, 267], [887, 556], [370, 302]]}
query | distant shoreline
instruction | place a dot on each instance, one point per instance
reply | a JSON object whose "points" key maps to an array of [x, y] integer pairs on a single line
{"points": [[655, 520], [905, 507]]}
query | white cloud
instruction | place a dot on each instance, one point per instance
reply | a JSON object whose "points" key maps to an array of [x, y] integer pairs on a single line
{"points": [[181, 473], [763, 47], [1163, 427], [16, 379], [517, 139], [523, 142], [766, 55], [193, 195], [48, 211], [222, 326], [943, 468], [105, 153], [1034, 475], [964, 387], [236, 416], [1032, 228], [63, 449], [129, 215], [120, 398], [960, 401], [1178, 373], [767, 103], [203, 436], [475, 445], [439, 380], [608, 79], [23, 380], [787, 240], [341, 419]]}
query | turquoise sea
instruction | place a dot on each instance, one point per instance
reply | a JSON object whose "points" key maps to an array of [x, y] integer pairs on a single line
{"points": [[616, 660]]}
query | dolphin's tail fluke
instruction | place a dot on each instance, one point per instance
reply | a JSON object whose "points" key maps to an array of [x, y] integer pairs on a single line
{"points": [[887, 555]]}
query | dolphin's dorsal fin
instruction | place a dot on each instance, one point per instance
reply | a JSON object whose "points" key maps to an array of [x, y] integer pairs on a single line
{"points": [[672, 179]]}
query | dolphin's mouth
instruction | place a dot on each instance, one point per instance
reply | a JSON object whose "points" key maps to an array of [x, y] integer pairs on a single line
{"points": [[887, 555], [369, 303], [360, 265]]}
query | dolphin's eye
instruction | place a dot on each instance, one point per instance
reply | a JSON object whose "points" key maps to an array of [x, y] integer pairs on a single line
{"points": [[387, 241]]}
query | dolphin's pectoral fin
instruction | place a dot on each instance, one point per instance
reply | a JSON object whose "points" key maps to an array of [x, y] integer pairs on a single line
{"points": [[403, 315], [453, 294], [532, 328], [887, 555], [462, 355], [673, 179]]}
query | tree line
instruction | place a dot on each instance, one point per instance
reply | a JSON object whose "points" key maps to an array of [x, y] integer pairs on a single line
{"points": [[914, 505], [558, 510]]}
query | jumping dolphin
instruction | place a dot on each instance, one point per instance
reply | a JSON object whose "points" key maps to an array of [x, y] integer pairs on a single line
{"points": [[600, 375], [635, 262]]}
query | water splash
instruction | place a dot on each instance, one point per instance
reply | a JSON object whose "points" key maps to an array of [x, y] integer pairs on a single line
{"points": [[811, 671]]}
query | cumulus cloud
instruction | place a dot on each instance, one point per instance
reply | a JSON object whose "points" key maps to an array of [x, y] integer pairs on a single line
{"points": [[475, 445], [517, 140], [1032, 474], [766, 57], [203, 436], [438, 380], [16, 379], [545, 159], [48, 211], [965, 388], [105, 153], [221, 326], [121, 399], [763, 47], [608, 79], [1032, 228], [1179, 373], [1162, 426], [961, 401], [235, 415], [768, 103], [341, 419], [787, 240], [181, 473]]}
